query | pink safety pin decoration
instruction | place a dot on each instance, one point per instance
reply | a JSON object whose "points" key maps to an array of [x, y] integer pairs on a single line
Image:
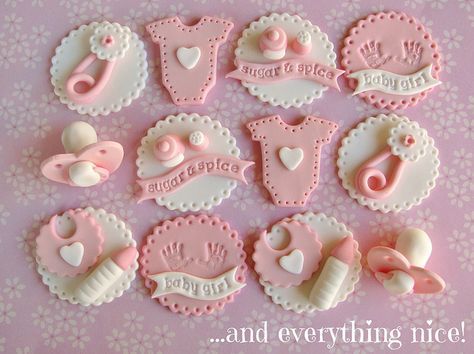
{"points": [[407, 143], [87, 162], [109, 43]]}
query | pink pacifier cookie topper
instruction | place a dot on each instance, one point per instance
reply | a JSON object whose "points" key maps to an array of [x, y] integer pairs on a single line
{"points": [[189, 55], [86, 256], [70, 255], [285, 61], [87, 162], [401, 270], [391, 60], [306, 263], [292, 263], [193, 275], [188, 162], [291, 155], [99, 88], [388, 163]]}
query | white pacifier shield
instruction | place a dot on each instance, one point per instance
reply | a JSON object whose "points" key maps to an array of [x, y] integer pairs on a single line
{"points": [[188, 57], [293, 263], [83, 174], [72, 254], [291, 158]]}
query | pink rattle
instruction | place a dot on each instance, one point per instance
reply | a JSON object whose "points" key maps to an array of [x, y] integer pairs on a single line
{"points": [[302, 44], [169, 150], [401, 270], [109, 42], [407, 143], [87, 162], [273, 43]]}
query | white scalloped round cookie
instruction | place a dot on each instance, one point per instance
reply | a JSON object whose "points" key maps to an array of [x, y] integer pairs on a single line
{"points": [[201, 193], [329, 232], [288, 93], [126, 81], [367, 140], [117, 236]]}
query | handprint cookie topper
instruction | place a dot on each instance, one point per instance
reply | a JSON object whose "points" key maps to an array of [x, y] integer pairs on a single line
{"points": [[391, 60], [193, 265]]}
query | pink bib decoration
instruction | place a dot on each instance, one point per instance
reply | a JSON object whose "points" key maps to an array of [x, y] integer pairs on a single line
{"points": [[86, 256], [401, 270], [391, 60], [188, 162], [87, 161], [99, 68], [293, 63], [293, 263], [189, 55], [307, 263], [388, 163], [290, 156], [74, 255], [194, 265]]}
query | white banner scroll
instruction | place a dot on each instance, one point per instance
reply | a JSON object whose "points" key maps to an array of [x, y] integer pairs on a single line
{"points": [[196, 287], [387, 82]]}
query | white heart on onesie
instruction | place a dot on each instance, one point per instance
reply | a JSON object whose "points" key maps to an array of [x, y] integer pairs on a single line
{"points": [[188, 57], [291, 158]]}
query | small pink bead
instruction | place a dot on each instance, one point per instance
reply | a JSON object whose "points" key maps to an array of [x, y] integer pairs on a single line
{"points": [[107, 41], [409, 140]]}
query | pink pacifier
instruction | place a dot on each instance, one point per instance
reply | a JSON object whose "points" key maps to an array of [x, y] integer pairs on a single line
{"points": [[273, 43], [86, 162], [407, 143], [109, 43], [401, 270], [69, 244]]}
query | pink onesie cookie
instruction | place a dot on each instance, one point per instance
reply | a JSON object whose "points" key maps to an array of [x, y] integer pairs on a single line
{"points": [[189, 55], [73, 255], [193, 265], [291, 264], [391, 60], [290, 156]]}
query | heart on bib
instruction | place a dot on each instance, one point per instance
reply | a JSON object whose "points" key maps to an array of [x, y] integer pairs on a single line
{"points": [[72, 254], [291, 158], [188, 57], [293, 263]]}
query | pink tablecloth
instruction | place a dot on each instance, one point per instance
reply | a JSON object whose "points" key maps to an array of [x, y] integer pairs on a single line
{"points": [[31, 118]]}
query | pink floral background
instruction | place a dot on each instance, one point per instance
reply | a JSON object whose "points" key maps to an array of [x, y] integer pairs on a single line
{"points": [[31, 120]]}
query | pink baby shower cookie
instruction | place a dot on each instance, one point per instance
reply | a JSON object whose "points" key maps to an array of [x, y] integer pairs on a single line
{"points": [[391, 60], [189, 162], [306, 263], [99, 68], [285, 61], [291, 156], [292, 263], [86, 256], [193, 265], [388, 163], [189, 55]]}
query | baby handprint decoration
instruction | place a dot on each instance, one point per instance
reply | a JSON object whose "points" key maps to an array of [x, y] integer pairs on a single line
{"points": [[373, 55]]}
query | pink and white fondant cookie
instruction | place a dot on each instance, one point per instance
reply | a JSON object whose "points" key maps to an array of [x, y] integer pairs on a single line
{"points": [[99, 68], [401, 270], [194, 265], [391, 60], [294, 262], [189, 162], [86, 256], [189, 55], [87, 162], [388, 163], [285, 61], [318, 252], [291, 156]]}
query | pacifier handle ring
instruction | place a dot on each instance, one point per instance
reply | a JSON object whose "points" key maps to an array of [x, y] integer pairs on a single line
{"points": [[385, 186], [95, 86]]}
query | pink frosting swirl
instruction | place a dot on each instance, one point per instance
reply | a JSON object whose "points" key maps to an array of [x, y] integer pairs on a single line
{"points": [[273, 38]]}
